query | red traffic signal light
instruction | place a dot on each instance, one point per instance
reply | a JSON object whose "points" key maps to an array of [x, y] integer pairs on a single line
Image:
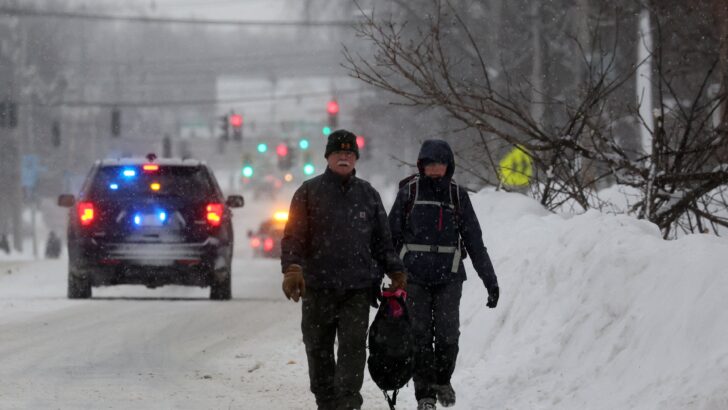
{"points": [[360, 141], [332, 108], [282, 150], [236, 120]]}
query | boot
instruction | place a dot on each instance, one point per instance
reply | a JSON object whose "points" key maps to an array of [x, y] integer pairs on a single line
{"points": [[426, 404], [445, 394]]}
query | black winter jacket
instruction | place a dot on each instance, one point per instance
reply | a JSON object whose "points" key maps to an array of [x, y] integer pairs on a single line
{"points": [[430, 224], [337, 231]]}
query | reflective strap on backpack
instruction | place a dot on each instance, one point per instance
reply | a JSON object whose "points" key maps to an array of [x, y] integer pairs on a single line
{"points": [[413, 247], [435, 203]]}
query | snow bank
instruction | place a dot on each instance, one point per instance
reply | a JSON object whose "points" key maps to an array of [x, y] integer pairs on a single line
{"points": [[596, 312]]}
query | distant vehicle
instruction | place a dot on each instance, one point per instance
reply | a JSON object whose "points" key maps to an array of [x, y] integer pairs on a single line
{"points": [[150, 222], [266, 242]]}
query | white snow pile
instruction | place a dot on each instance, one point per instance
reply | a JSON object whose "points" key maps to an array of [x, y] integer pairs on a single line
{"points": [[596, 312]]}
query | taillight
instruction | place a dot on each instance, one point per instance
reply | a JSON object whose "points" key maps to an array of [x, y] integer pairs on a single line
{"points": [[214, 214], [255, 242], [268, 244], [85, 213]]}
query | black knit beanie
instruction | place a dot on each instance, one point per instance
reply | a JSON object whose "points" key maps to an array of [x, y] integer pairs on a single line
{"points": [[342, 140]]}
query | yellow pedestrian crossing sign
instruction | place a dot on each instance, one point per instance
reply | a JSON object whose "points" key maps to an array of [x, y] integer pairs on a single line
{"points": [[516, 168]]}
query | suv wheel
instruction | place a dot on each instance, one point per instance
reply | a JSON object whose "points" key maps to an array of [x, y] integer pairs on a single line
{"points": [[221, 289], [78, 288]]}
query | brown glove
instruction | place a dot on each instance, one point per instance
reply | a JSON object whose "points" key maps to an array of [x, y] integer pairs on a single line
{"points": [[399, 280], [294, 287]]}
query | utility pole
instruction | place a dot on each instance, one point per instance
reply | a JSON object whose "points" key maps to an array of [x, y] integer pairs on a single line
{"points": [[16, 144], [644, 80]]}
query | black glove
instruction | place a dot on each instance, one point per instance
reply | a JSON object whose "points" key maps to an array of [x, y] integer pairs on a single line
{"points": [[493, 295]]}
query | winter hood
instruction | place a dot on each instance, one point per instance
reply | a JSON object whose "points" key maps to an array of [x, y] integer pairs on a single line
{"points": [[436, 151]]}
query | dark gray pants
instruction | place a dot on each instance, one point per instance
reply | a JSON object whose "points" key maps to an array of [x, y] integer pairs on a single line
{"points": [[436, 326], [327, 314]]}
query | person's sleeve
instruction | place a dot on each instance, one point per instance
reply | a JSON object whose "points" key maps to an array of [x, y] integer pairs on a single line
{"points": [[473, 239], [296, 230], [382, 246], [396, 221]]}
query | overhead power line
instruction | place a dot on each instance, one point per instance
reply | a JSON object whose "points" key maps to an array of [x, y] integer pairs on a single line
{"points": [[20, 12]]}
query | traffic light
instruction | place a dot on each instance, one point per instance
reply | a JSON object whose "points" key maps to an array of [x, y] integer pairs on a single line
{"points": [[262, 147], [166, 146], [308, 167], [332, 108], [326, 131], [247, 170], [236, 122], [285, 159], [303, 143], [8, 114], [115, 122], [282, 150], [361, 142], [224, 128], [56, 134]]}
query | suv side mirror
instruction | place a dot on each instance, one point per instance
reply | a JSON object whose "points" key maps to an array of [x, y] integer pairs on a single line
{"points": [[235, 201], [66, 200]]}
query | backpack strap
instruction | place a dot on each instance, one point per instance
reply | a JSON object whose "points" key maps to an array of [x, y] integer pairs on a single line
{"points": [[413, 189], [391, 401], [455, 200]]}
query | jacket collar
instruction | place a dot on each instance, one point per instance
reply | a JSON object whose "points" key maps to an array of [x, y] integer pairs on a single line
{"points": [[333, 177]]}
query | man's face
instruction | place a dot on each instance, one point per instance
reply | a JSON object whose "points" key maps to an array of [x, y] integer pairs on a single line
{"points": [[342, 162], [435, 170]]}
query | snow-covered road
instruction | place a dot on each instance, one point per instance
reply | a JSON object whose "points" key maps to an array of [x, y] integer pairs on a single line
{"points": [[164, 348], [131, 347]]}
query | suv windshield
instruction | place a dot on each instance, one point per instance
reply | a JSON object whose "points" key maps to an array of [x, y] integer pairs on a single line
{"points": [[133, 181]]}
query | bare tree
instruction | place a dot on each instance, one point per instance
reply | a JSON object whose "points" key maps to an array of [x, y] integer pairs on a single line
{"points": [[567, 123]]}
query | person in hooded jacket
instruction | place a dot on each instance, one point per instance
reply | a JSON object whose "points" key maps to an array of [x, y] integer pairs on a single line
{"points": [[335, 244], [434, 227]]}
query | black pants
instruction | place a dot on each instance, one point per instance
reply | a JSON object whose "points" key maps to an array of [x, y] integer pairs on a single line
{"points": [[327, 314], [436, 326]]}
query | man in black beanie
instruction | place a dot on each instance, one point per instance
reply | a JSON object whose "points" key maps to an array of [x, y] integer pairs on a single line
{"points": [[337, 229]]}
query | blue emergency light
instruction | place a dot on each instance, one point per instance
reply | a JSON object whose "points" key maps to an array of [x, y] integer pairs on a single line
{"points": [[129, 172]]}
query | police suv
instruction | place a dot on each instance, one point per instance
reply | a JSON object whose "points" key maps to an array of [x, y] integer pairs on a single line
{"points": [[150, 222]]}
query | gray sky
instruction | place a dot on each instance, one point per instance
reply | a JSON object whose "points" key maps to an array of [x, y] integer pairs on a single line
{"points": [[218, 9]]}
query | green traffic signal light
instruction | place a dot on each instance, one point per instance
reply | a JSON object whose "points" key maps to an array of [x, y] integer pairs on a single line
{"points": [[247, 171], [303, 143], [326, 131], [262, 147], [309, 169]]}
